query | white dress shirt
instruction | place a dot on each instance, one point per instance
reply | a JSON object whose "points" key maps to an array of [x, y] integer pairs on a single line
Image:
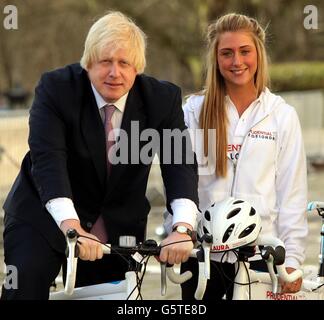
{"points": [[184, 210]]}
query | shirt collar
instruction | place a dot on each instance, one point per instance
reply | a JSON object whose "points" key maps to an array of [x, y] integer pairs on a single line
{"points": [[119, 104], [230, 103]]}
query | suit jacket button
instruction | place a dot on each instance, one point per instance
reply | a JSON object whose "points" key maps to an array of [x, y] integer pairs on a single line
{"points": [[89, 225]]}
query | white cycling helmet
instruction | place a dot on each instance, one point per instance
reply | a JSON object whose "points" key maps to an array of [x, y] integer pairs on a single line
{"points": [[232, 223]]}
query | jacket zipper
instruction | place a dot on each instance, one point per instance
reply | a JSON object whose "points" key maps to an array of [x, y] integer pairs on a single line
{"points": [[235, 165]]}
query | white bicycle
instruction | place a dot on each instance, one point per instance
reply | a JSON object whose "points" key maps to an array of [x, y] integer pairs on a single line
{"points": [[130, 288], [234, 226], [248, 284], [265, 287]]}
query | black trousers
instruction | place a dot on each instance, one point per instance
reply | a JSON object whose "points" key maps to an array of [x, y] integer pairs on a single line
{"points": [[38, 264], [221, 280]]}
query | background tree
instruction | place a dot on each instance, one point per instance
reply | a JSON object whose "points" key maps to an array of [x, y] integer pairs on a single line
{"points": [[51, 34]]}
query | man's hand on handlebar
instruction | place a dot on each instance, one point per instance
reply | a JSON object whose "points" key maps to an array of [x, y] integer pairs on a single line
{"points": [[88, 249], [291, 287], [176, 248]]}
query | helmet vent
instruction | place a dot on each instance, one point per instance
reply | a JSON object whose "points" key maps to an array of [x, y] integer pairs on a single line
{"points": [[233, 213], [238, 201], [247, 231], [228, 232], [205, 230], [252, 212], [207, 215]]}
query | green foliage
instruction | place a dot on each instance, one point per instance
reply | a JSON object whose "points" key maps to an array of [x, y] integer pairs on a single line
{"points": [[297, 76]]}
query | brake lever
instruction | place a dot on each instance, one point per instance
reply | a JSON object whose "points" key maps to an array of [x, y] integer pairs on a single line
{"points": [[163, 279], [273, 277], [206, 247], [72, 261]]}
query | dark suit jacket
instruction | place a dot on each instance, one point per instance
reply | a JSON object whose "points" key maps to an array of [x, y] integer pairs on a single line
{"points": [[67, 157]]}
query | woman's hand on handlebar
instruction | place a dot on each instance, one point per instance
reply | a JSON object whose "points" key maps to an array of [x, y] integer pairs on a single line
{"points": [[88, 249], [291, 287], [176, 248]]}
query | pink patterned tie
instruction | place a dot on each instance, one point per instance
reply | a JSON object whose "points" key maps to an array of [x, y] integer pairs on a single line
{"points": [[109, 111], [99, 229]]}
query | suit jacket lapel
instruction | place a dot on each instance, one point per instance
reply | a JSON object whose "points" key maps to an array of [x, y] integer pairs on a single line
{"points": [[93, 132]]}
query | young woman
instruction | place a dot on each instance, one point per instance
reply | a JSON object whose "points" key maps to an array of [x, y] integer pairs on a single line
{"points": [[256, 139]]}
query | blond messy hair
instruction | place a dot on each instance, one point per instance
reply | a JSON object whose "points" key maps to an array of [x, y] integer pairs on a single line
{"points": [[116, 31]]}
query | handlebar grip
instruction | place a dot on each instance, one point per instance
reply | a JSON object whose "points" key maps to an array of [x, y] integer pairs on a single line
{"points": [[106, 249], [278, 253], [202, 281], [315, 205], [288, 277], [178, 278]]}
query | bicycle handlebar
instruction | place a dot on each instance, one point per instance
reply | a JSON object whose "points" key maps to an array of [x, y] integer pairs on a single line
{"points": [[148, 248], [273, 253], [289, 277], [203, 256]]}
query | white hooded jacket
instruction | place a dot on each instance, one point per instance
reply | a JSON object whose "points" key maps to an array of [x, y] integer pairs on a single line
{"points": [[270, 171]]}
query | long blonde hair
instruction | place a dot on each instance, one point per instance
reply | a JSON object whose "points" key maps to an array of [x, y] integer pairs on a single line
{"points": [[213, 114]]}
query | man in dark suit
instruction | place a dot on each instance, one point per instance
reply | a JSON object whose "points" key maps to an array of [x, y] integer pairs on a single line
{"points": [[70, 179]]}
